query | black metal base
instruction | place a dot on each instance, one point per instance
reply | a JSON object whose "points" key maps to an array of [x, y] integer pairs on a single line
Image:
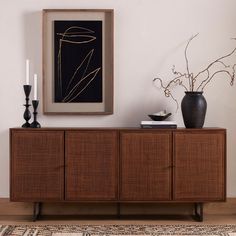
{"points": [[198, 212], [27, 114], [26, 125], [37, 210], [118, 210], [35, 124]]}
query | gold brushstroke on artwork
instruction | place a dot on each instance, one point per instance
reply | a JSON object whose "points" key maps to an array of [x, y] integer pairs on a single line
{"points": [[85, 30], [70, 93], [75, 87], [84, 41], [90, 54], [60, 48], [73, 35], [68, 34]]}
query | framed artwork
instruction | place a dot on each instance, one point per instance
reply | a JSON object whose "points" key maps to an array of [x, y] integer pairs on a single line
{"points": [[78, 61]]}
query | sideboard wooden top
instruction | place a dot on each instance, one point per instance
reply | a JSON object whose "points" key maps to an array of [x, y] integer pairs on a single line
{"points": [[119, 129]]}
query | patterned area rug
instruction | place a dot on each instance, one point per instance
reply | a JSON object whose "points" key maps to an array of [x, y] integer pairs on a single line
{"points": [[117, 230]]}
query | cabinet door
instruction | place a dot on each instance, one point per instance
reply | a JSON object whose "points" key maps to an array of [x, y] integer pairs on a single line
{"points": [[37, 165], [91, 165], [199, 160], [146, 166]]}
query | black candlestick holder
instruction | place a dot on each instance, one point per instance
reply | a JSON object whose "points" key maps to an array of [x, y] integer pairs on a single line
{"points": [[35, 123], [27, 114]]}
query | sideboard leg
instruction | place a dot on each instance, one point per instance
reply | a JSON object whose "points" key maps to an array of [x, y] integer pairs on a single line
{"points": [[118, 210], [37, 210], [198, 210]]}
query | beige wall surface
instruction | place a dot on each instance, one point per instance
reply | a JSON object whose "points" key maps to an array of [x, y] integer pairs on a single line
{"points": [[150, 37]]}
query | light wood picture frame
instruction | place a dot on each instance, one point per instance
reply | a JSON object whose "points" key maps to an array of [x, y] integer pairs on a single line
{"points": [[78, 61]]}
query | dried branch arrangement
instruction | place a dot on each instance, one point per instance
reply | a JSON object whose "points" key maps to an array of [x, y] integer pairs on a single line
{"points": [[194, 82]]}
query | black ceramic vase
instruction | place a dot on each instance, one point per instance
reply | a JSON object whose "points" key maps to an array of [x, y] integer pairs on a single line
{"points": [[194, 108]]}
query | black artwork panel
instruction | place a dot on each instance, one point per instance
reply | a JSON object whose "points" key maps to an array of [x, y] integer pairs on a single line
{"points": [[77, 61]]}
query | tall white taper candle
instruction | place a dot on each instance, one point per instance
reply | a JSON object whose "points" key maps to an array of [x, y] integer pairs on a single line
{"points": [[35, 87], [27, 72]]}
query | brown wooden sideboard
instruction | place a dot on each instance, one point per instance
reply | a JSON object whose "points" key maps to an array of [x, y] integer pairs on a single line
{"points": [[118, 165]]}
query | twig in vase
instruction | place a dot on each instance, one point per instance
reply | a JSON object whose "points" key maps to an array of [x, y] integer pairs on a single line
{"points": [[189, 78]]}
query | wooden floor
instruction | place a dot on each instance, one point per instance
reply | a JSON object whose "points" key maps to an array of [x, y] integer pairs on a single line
{"points": [[208, 219]]}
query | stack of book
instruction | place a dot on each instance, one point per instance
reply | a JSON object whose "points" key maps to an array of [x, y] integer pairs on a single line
{"points": [[158, 124]]}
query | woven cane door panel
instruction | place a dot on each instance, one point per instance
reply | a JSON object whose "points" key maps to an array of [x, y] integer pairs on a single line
{"points": [[91, 165], [199, 160], [145, 166], [37, 165]]}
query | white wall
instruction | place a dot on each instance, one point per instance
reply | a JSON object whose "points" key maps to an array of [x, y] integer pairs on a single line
{"points": [[150, 36]]}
